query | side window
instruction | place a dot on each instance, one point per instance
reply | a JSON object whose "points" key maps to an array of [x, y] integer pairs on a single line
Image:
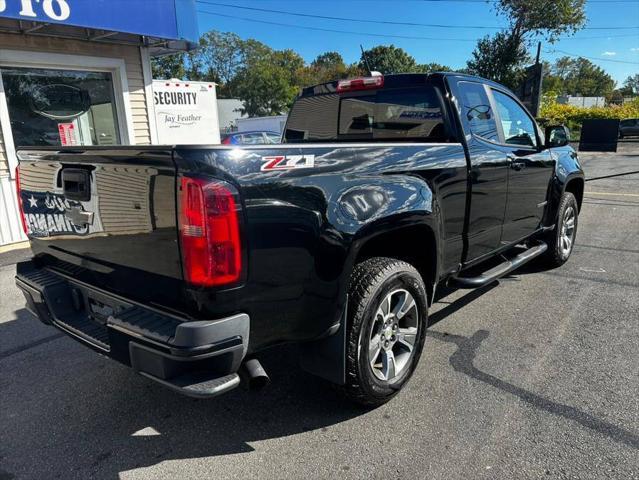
{"points": [[516, 124], [477, 111]]}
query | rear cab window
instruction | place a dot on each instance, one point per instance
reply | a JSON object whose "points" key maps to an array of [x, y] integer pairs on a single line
{"points": [[409, 114]]}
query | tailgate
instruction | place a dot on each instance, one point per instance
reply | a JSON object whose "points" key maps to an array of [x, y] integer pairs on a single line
{"points": [[106, 216]]}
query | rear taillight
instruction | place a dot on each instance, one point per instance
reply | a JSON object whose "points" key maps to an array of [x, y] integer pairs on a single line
{"points": [[362, 83], [23, 220], [210, 232]]}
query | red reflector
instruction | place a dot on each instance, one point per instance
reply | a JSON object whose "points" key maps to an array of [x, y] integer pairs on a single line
{"points": [[23, 220], [362, 83], [209, 232]]}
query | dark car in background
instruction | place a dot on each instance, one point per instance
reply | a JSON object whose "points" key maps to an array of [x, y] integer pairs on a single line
{"points": [[629, 128], [251, 138]]}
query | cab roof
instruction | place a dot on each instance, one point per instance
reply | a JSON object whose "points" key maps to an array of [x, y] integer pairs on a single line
{"points": [[398, 80]]}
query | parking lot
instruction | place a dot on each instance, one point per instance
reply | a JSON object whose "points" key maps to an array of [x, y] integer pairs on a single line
{"points": [[536, 376]]}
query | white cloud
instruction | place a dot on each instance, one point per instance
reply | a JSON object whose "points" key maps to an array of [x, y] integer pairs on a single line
{"points": [[634, 49], [609, 54]]}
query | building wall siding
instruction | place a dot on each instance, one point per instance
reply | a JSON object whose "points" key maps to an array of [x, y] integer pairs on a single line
{"points": [[4, 164], [137, 104], [10, 223]]}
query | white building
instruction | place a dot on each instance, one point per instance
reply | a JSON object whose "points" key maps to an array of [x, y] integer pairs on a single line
{"points": [[587, 102]]}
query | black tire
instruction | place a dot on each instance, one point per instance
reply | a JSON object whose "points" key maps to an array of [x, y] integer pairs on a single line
{"points": [[373, 281], [557, 254]]}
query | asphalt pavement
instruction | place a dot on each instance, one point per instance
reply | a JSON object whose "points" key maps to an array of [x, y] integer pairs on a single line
{"points": [[534, 377]]}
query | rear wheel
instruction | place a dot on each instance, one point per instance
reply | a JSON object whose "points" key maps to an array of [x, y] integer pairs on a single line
{"points": [[561, 240], [385, 330]]}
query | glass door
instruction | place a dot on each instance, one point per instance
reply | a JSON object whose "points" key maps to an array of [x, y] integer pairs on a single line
{"points": [[51, 107]]}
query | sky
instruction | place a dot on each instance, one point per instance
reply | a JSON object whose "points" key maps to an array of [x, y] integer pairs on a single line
{"points": [[610, 40]]}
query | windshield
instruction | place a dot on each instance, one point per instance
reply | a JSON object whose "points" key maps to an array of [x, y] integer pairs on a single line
{"points": [[400, 114]]}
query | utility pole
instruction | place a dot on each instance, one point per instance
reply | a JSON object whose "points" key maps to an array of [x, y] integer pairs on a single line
{"points": [[538, 53]]}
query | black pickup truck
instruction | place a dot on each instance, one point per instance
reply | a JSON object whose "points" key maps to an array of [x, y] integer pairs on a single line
{"points": [[185, 262]]}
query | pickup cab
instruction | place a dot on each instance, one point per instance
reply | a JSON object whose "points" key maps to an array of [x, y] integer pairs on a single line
{"points": [[185, 262]]}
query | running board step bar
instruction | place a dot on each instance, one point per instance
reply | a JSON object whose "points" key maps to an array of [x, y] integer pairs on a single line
{"points": [[500, 270]]}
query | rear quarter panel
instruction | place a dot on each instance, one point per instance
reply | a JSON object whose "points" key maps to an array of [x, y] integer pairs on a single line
{"points": [[304, 226]]}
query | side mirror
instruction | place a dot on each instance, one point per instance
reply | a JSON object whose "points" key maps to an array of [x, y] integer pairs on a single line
{"points": [[557, 136]]}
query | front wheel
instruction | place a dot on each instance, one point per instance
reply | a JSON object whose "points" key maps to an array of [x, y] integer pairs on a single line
{"points": [[386, 329], [561, 240]]}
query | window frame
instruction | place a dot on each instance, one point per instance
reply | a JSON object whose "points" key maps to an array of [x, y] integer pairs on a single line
{"points": [[58, 61], [500, 129]]}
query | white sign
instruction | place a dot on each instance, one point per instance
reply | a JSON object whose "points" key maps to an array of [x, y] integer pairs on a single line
{"points": [[186, 113]]}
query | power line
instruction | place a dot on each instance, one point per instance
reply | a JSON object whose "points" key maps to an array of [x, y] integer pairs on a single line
{"points": [[380, 35], [344, 19], [383, 35], [598, 36], [554, 50], [381, 22]]}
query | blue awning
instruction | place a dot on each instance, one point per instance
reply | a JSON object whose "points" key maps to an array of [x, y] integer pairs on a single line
{"points": [[157, 19]]}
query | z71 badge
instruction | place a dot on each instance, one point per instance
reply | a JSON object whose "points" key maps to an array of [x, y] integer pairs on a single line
{"points": [[288, 162]]}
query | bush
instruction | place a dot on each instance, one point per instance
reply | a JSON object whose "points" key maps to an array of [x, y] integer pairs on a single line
{"points": [[553, 113]]}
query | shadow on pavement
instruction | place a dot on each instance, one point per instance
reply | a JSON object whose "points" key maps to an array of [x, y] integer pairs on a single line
{"points": [[95, 418], [462, 361]]}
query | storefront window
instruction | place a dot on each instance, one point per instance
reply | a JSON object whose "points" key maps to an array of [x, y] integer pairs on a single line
{"points": [[60, 107]]}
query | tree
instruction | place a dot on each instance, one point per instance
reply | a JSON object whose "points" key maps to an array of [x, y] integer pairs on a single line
{"points": [[500, 58], [632, 83], [540, 17], [588, 80], [578, 77], [504, 54], [265, 88], [219, 58], [168, 66], [432, 67], [269, 80], [327, 67], [387, 59]]}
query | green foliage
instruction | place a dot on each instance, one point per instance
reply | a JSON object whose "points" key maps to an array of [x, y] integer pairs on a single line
{"points": [[631, 84], [269, 81], [500, 57], [578, 77], [553, 113], [432, 67], [388, 59], [168, 67], [540, 17], [264, 88], [217, 59]]}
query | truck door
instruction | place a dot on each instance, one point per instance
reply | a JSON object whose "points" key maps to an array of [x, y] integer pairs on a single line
{"points": [[488, 178], [530, 168]]}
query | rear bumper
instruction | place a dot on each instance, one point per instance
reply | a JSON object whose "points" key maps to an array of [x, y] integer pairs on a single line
{"points": [[196, 358]]}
